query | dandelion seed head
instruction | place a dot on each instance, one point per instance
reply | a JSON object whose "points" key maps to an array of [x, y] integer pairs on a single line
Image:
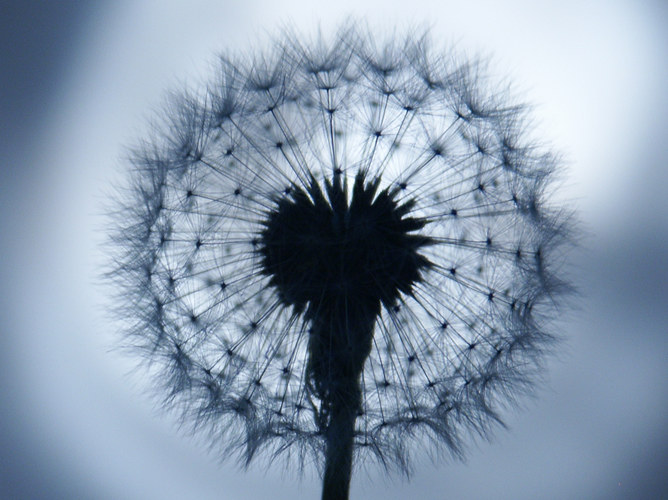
{"points": [[334, 221]]}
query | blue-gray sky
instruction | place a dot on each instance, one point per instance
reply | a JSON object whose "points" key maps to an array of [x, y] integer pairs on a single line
{"points": [[78, 84]]}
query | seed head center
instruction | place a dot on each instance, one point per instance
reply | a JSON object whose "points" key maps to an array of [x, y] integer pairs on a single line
{"points": [[319, 247]]}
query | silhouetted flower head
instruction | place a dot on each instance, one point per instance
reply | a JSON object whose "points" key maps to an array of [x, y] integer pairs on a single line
{"points": [[344, 221]]}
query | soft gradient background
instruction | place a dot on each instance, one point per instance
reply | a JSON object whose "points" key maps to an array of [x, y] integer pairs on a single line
{"points": [[78, 81]]}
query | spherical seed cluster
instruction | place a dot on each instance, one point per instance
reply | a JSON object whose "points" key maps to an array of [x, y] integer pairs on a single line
{"points": [[332, 214]]}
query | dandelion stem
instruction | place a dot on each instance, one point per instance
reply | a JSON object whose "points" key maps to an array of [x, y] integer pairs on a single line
{"points": [[339, 453], [340, 344]]}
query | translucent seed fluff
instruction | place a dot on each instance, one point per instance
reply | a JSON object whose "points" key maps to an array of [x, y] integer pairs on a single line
{"points": [[340, 219]]}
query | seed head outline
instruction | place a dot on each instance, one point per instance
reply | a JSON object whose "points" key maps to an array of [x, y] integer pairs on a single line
{"points": [[341, 250]]}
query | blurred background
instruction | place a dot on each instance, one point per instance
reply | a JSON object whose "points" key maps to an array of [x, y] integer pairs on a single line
{"points": [[78, 83]]}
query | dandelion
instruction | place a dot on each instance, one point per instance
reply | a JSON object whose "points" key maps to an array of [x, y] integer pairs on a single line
{"points": [[341, 252]]}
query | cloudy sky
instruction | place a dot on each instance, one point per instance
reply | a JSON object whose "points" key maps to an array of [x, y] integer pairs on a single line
{"points": [[79, 83]]}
